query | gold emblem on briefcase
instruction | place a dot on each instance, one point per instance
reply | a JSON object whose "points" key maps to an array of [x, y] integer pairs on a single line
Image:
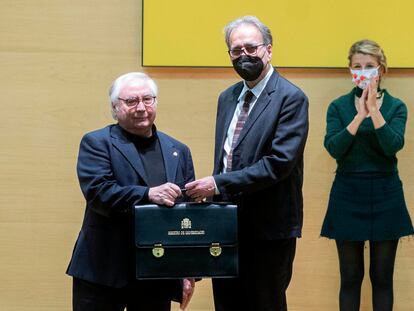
{"points": [[186, 223]]}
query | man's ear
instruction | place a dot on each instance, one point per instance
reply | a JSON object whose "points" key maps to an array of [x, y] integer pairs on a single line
{"points": [[114, 111], [269, 51]]}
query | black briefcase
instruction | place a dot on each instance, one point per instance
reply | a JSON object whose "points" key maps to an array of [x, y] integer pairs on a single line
{"points": [[188, 240]]}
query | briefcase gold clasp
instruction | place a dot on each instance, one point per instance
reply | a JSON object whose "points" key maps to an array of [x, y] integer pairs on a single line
{"points": [[215, 249], [158, 250]]}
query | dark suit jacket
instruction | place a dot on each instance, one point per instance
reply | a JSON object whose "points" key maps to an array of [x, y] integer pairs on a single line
{"points": [[267, 176], [112, 179]]}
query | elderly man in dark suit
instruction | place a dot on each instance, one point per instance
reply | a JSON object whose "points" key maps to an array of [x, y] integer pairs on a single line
{"points": [[119, 166], [261, 130]]}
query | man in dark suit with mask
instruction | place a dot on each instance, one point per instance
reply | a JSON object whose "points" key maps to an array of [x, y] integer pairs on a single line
{"points": [[120, 166], [261, 130]]}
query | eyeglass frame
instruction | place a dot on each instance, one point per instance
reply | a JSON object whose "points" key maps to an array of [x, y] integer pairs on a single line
{"points": [[243, 50], [137, 100]]}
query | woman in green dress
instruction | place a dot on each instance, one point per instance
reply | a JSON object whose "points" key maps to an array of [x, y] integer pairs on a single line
{"points": [[365, 129]]}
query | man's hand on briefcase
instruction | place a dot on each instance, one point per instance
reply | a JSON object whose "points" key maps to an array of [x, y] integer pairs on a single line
{"points": [[201, 189], [165, 194], [188, 290]]}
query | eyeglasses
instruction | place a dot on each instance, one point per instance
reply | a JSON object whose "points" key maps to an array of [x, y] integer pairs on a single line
{"points": [[247, 50], [134, 101]]}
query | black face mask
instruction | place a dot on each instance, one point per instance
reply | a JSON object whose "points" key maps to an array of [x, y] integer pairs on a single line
{"points": [[248, 67]]}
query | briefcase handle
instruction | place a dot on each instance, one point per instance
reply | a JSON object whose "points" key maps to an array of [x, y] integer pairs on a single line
{"points": [[206, 203]]}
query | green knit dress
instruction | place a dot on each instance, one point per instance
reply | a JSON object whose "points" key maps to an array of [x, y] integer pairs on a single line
{"points": [[366, 200]]}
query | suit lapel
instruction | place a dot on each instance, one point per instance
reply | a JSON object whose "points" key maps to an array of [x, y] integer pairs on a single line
{"points": [[260, 105], [128, 150], [171, 157]]}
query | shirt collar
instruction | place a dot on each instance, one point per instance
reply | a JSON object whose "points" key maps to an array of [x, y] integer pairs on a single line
{"points": [[259, 87], [140, 139]]}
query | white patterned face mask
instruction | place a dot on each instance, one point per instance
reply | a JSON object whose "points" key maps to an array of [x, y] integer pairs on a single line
{"points": [[363, 77]]}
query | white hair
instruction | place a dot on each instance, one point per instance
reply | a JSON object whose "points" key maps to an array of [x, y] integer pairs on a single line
{"points": [[252, 20], [124, 80]]}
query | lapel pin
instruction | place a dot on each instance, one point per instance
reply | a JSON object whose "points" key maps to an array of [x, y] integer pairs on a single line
{"points": [[175, 154]]}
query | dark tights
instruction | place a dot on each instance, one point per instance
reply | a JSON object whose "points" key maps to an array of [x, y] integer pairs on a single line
{"points": [[351, 263]]}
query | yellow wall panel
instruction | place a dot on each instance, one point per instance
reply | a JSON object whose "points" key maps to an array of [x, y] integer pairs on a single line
{"points": [[307, 33]]}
